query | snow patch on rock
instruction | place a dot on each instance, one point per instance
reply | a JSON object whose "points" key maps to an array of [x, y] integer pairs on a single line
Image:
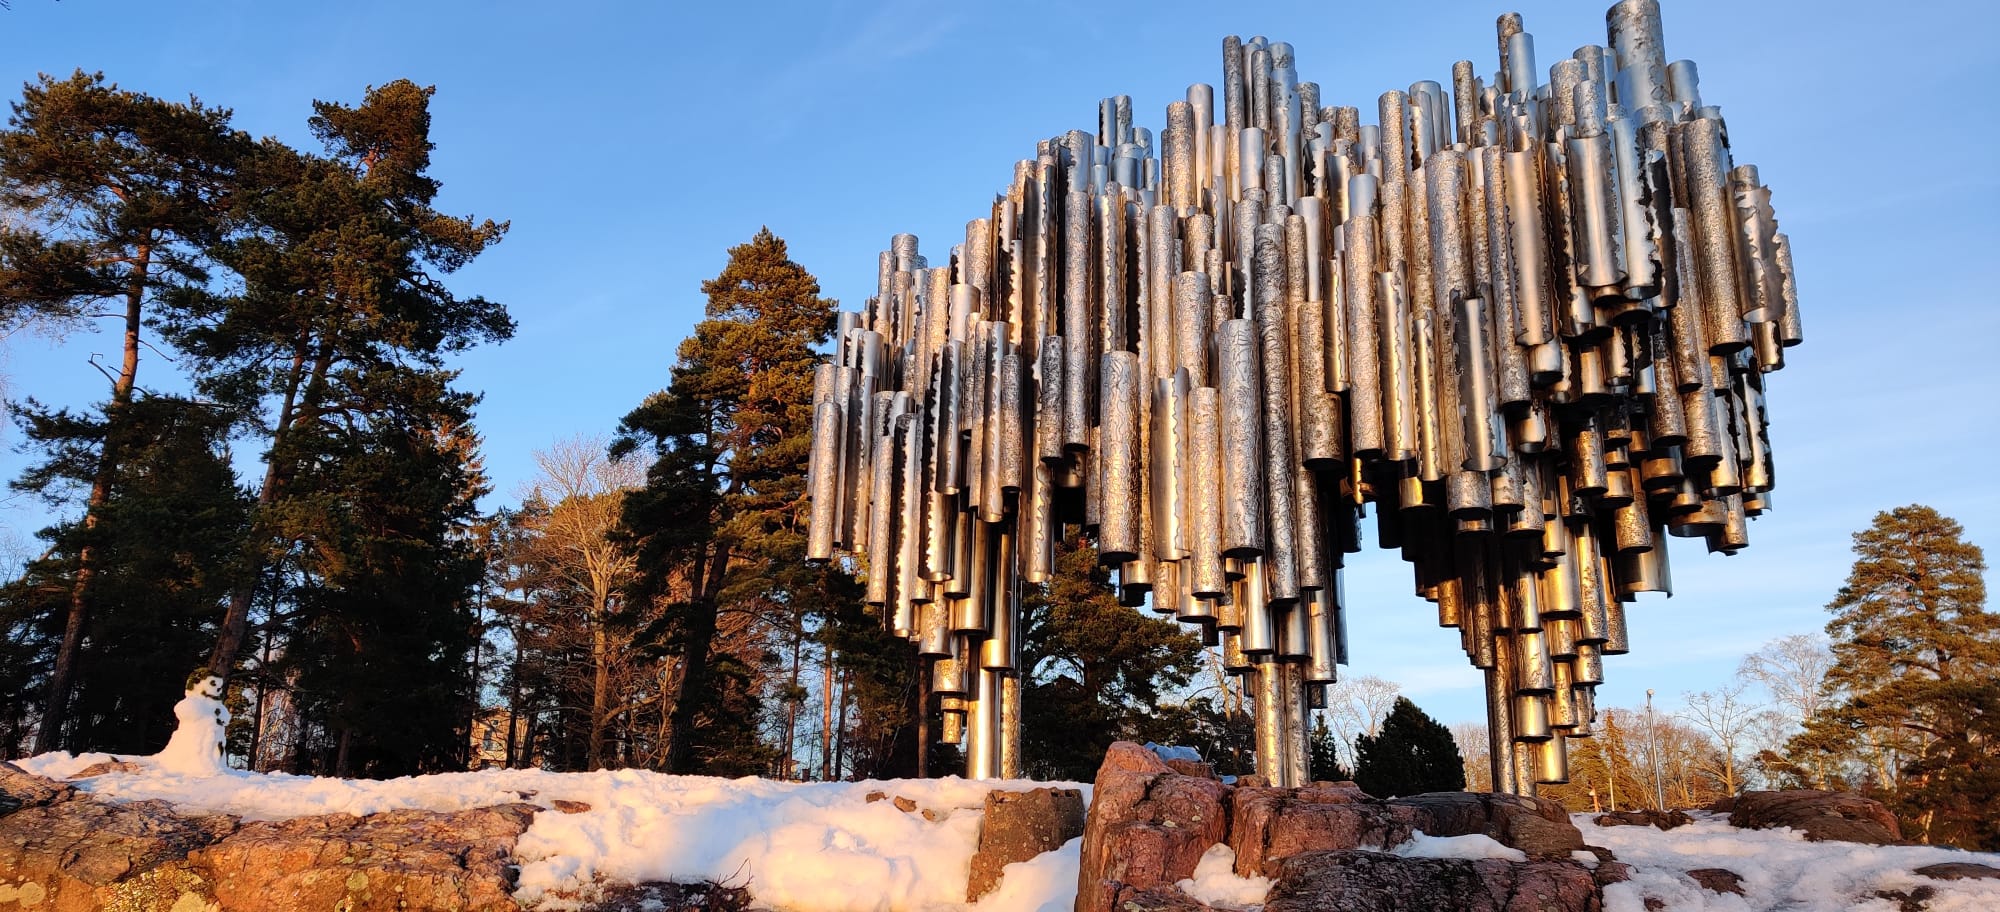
{"points": [[1469, 846], [1216, 882], [1044, 883]]}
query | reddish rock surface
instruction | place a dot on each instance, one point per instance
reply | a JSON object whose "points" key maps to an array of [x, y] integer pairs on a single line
{"points": [[1149, 824], [1163, 899], [1718, 880], [1665, 820], [1147, 828], [1537, 826], [394, 860], [62, 851], [1959, 870], [1821, 816], [1269, 824], [1364, 881], [1018, 826]]}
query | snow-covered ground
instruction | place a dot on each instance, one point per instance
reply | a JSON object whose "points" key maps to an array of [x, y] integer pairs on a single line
{"points": [[824, 847], [1780, 870], [802, 847]]}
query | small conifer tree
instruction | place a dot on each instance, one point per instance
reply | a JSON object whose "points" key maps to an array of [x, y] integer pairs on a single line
{"points": [[1412, 754]]}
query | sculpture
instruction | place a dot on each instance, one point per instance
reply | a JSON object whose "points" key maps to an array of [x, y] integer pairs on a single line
{"points": [[1528, 322]]}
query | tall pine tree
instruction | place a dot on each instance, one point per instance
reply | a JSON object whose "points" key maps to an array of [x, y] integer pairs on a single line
{"points": [[719, 523], [120, 193], [1916, 676], [343, 313]]}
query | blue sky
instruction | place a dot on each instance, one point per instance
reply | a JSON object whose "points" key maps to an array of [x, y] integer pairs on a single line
{"points": [[632, 144]]}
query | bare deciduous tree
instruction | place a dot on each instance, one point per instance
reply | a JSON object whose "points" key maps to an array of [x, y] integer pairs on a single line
{"points": [[1475, 748], [1356, 707], [574, 503], [1727, 718], [1793, 668]]}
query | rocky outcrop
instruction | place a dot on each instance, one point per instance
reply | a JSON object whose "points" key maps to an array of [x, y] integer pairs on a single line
{"points": [[1150, 823], [1270, 824], [1665, 820], [1364, 881], [1147, 828], [63, 851], [19, 789], [1019, 826], [1158, 899], [393, 860], [1959, 870], [664, 896], [1821, 816], [1537, 826]]}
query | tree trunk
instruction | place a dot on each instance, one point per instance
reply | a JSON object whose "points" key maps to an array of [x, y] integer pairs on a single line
{"points": [[787, 765], [600, 693], [840, 732], [257, 720], [55, 705], [236, 621], [826, 721], [340, 758], [699, 638]]}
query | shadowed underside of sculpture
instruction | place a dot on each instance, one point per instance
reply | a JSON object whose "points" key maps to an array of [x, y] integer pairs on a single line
{"points": [[1524, 324]]}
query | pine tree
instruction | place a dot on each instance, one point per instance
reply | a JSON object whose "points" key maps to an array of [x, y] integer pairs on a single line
{"points": [[720, 522], [121, 193], [1095, 668], [1412, 754], [342, 259], [382, 642], [1323, 754], [165, 542], [1917, 677]]}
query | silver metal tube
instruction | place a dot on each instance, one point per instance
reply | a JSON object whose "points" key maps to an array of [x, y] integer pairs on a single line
{"points": [[982, 747], [1280, 506], [1168, 465], [1364, 397], [1118, 536], [1270, 721], [1242, 452], [1706, 164], [1205, 508]]}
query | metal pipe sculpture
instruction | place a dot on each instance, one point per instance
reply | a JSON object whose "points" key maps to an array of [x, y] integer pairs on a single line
{"points": [[1528, 321]]}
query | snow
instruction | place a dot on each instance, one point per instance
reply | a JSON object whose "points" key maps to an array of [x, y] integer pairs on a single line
{"points": [[803, 847], [1216, 882], [1780, 870], [1174, 752], [1045, 883], [1473, 845], [824, 847], [196, 746]]}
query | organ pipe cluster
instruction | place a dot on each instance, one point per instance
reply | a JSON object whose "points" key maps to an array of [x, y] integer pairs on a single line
{"points": [[1522, 321]]}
